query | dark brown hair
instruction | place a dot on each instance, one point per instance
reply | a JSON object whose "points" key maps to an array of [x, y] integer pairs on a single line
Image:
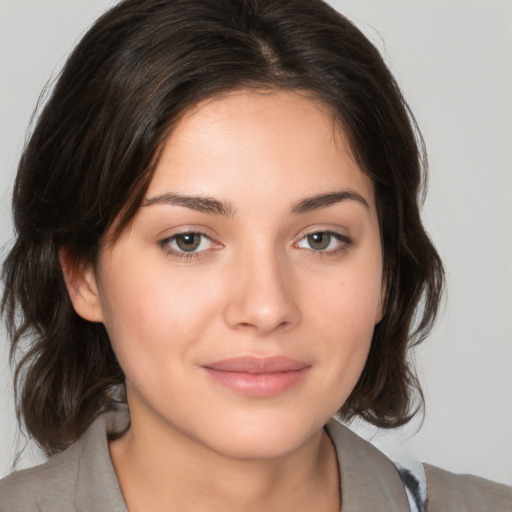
{"points": [[94, 148]]}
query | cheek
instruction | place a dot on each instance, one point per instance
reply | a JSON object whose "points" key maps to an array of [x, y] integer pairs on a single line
{"points": [[149, 314], [348, 325], [350, 299], [344, 313]]}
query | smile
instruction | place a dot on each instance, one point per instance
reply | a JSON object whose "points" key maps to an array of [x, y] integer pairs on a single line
{"points": [[257, 376]]}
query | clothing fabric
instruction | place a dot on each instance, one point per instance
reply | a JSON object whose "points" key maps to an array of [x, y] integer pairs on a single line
{"points": [[82, 479]]}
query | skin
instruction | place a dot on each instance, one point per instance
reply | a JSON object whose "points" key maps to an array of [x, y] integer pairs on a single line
{"points": [[257, 285]]}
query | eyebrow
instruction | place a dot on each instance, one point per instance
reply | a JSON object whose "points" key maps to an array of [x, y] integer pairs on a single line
{"points": [[203, 204], [206, 204], [328, 199]]}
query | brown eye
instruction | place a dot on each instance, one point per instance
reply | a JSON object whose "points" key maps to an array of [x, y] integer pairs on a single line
{"points": [[189, 245], [328, 242], [188, 242], [319, 241]]}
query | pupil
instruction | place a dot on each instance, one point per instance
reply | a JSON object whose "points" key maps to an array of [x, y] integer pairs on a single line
{"points": [[319, 241], [188, 242]]}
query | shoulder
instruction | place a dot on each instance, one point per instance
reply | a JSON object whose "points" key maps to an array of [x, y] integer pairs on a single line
{"points": [[29, 489], [465, 493], [80, 478], [369, 480]]}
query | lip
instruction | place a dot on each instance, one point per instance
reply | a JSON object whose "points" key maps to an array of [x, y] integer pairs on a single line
{"points": [[258, 376]]}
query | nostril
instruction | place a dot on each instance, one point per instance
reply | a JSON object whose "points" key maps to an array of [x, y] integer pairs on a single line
{"points": [[261, 301]]}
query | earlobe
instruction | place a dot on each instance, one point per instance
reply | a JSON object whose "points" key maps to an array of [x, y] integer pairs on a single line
{"points": [[381, 309], [379, 315], [82, 287]]}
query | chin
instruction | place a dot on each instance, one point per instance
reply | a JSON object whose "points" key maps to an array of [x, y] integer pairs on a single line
{"points": [[255, 438], [259, 447]]}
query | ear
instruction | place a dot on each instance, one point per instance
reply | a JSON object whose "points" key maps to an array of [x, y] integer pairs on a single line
{"points": [[380, 314], [383, 296], [82, 288]]}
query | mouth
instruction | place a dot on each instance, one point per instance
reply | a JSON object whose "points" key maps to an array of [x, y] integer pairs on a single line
{"points": [[258, 376]]}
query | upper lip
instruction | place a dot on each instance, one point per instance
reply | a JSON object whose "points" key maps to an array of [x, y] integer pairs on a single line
{"points": [[254, 364]]}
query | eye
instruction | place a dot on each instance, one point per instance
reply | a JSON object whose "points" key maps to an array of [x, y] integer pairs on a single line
{"points": [[324, 241], [189, 242]]}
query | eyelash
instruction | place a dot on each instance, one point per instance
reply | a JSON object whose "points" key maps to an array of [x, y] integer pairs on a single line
{"points": [[165, 244], [345, 243]]}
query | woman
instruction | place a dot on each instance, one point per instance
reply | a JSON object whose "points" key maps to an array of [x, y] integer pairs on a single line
{"points": [[217, 223]]}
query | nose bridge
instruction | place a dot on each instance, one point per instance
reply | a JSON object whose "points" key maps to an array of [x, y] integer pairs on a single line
{"points": [[261, 296]]}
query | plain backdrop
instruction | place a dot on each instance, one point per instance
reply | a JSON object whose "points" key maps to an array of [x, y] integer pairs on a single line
{"points": [[453, 60]]}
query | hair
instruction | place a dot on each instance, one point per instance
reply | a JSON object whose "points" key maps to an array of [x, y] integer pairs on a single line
{"points": [[93, 151]]}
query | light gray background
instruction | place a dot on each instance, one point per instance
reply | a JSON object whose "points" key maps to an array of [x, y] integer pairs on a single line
{"points": [[453, 61]]}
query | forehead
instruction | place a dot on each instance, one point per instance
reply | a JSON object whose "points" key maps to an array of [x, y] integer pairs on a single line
{"points": [[267, 139]]}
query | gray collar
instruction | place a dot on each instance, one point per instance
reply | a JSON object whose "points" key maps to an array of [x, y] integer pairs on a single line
{"points": [[369, 480], [83, 476]]}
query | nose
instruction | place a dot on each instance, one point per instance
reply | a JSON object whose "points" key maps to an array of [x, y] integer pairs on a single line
{"points": [[261, 296]]}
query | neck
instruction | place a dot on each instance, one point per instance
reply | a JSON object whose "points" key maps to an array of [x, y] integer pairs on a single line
{"points": [[158, 471]]}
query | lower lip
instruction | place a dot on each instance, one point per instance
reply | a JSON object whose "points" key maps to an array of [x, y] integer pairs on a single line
{"points": [[259, 385]]}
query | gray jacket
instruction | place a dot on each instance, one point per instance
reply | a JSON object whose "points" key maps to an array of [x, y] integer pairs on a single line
{"points": [[82, 479]]}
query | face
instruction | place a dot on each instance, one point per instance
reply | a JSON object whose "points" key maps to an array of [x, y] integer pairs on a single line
{"points": [[242, 300]]}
